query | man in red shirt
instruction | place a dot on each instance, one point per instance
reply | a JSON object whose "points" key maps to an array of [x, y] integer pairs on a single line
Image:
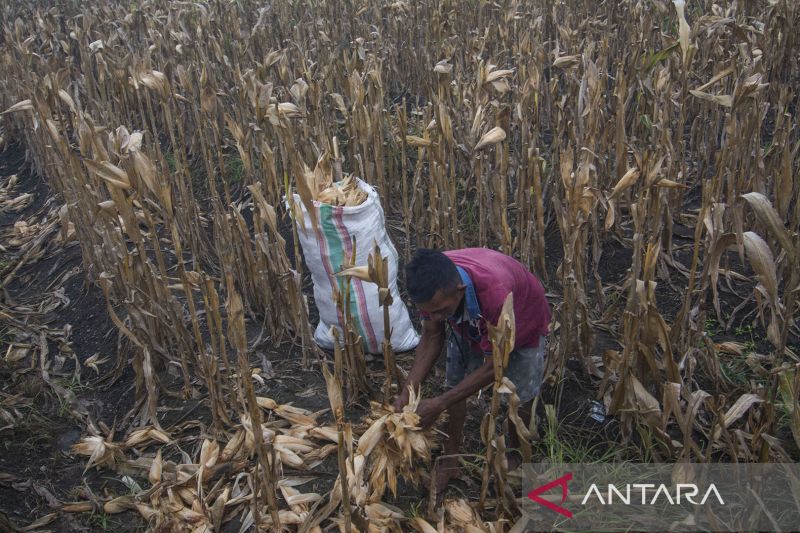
{"points": [[466, 289]]}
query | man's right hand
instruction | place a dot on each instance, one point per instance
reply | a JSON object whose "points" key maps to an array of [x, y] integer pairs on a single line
{"points": [[428, 350], [401, 400]]}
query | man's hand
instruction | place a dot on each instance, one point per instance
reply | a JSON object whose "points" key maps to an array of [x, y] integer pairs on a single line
{"points": [[429, 410], [401, 400], [428, 350]]}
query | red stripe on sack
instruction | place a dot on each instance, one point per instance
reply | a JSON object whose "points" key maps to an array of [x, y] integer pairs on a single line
{"points": [[362, 301]]}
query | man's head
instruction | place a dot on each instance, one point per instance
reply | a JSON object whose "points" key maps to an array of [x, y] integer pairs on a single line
{"points": [[434, 284]]}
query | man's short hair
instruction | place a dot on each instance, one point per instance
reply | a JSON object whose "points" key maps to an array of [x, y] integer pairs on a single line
{"points": [[427, 272]]}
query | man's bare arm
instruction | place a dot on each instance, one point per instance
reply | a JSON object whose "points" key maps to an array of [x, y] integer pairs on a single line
{"points": [[478, 379], [430, 409], [428, 351]]}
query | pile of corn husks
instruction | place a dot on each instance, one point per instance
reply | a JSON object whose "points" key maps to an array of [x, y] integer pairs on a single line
{"points": [[345, 192], [395, 444], [216, 486], [319, 185], [200, 492]]}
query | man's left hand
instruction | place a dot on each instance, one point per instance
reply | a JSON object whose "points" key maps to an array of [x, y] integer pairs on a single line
{"points": [[428, 411]]}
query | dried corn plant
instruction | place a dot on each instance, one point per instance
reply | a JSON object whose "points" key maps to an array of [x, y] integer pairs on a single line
{"points": [[392, 445], [503, 337], [349, 359], [377, 272]]}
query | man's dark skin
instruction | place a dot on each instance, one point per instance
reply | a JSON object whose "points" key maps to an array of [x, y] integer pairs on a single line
{"points": [[444, 304]]}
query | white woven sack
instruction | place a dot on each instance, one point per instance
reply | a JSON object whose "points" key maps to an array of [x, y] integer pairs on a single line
{"points": [[328, 247]]}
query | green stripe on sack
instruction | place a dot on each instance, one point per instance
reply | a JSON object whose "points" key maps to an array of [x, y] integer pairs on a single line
{"points": [[336, 259]]}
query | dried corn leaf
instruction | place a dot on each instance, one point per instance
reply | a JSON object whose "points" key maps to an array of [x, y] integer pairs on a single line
{"points": [[23, 105], [760, 257], [724, 100], [110, 173], [41, 522], [736, 411], [683, 27], [770, 218]]}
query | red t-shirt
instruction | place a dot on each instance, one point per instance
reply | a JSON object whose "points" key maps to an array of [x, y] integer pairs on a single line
{"points": [[490, 276]]}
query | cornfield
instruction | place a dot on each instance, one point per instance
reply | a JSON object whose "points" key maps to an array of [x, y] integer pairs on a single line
{"points": [[641, 157]]}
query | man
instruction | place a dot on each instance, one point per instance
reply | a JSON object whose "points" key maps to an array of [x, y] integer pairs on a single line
{"points": [[467, 288]]}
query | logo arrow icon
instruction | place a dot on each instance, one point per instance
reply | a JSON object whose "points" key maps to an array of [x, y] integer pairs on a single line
{"points": [[559, 482]]}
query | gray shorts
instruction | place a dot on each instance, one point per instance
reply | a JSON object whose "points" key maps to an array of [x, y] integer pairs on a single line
{"points": [[525, 366]]}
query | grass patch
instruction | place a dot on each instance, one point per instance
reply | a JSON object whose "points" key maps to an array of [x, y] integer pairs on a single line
{"points": [[234, 170], [565, 443]]}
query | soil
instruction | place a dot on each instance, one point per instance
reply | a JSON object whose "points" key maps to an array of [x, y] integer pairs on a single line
{"points": [[37, 468]]}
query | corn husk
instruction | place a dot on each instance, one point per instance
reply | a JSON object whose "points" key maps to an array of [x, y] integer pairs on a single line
{"points": [[396, 446], [101, 452], [295, 415], [462, 517], [147, 435]]}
